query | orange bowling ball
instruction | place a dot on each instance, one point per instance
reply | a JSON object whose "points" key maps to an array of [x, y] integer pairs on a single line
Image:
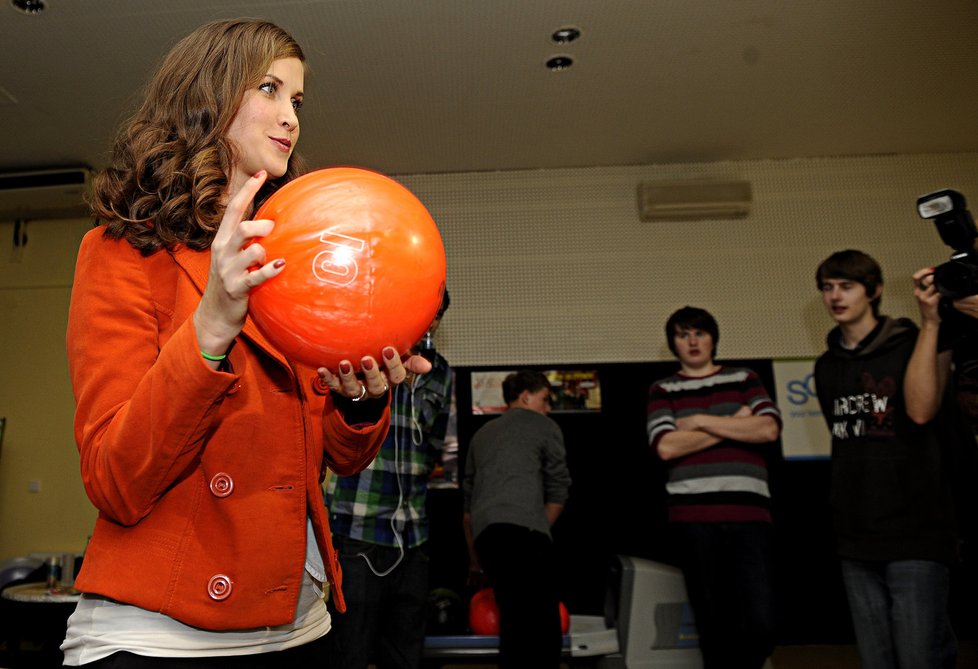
{"points": [[364, 268]]}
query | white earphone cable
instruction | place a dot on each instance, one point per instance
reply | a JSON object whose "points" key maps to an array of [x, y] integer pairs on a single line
{"points": [[416, 438]]}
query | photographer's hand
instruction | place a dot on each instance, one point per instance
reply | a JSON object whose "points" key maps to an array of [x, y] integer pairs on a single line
{"points": [[927, 296], [927, 370], [967, 305]]}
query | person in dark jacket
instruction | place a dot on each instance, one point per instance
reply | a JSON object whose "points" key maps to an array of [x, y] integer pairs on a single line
{"points": [[891, 501]]}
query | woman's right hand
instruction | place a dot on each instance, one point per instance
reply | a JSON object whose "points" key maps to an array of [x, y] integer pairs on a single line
{"points": [[237, 266]]}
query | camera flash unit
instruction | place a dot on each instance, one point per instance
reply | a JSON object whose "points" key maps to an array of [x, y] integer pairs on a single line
{"points": [[949, 211], [934, 204]]}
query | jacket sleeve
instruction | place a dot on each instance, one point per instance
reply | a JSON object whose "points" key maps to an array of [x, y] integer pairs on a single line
{"points": [[351, 439], [144, 405]]}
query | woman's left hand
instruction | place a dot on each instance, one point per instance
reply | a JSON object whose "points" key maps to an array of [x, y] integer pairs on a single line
{"points": [[375, 381]]}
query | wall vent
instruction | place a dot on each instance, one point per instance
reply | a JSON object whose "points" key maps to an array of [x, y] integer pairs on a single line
{"points": [[45, 194], [693, 200]]}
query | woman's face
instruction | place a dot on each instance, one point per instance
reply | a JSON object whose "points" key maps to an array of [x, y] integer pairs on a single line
{"points": [[266, 128]]}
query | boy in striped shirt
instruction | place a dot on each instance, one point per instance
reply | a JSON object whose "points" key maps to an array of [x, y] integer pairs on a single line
{"points": [[715, 428]]}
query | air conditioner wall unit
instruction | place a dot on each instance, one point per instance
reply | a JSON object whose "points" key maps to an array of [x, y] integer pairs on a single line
{"points": [[45, 194], [693, 200]]}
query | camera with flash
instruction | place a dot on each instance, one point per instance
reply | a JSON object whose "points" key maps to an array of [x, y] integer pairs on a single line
{"points": [[958, 277]]}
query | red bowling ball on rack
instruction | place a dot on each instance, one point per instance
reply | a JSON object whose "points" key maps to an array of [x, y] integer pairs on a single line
{"points": [[484, 614], [365, 268]]}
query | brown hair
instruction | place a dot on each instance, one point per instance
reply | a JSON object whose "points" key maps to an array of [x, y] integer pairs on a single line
{"points": [[853, 265], [171, 161]]}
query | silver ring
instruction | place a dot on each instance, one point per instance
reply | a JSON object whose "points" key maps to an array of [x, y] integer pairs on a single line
{"points": [[363, 393], [382, 393]]}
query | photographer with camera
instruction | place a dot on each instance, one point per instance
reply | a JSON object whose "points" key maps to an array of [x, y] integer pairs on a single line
{"points": [[942, 373], [947, 295]]}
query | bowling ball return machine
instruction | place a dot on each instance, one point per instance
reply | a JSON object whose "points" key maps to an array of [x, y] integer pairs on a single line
{"points": [[647, 624]]}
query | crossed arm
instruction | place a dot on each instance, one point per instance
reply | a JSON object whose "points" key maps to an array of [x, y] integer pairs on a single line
{"points": [[700, 431]]}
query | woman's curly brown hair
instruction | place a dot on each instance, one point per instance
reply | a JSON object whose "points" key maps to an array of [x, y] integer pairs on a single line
{"points": [[167, 181]]}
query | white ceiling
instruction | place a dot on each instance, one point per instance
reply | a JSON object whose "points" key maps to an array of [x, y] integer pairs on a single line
{"points": [[427, 86]]}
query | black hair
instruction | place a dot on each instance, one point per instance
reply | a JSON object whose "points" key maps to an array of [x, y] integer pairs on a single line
{"points": [[691, 318], [445, 302], [526, 379], [855, 266]]}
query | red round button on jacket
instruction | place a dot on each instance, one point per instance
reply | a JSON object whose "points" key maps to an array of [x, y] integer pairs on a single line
{"points": [[219, 587], [319, 386], [222, 485]]}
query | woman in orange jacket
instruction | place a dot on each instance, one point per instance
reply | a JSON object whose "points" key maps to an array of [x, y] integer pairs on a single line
{"points": [[202, 446]]}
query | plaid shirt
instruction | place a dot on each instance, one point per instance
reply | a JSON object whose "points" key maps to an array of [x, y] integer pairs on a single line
{"points": [[388, 497]]}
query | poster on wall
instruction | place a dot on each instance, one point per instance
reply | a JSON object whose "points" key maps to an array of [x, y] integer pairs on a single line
{"points": [[570, 390], [487, 392], [805, 435], [575, 390]]}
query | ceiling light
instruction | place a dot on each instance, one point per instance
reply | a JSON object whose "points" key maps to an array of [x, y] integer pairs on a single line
{"points": [[565, 35], [28, 6], [558, 63]]}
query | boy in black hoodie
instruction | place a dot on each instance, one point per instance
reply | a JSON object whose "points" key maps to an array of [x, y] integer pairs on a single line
{"points": [[890, 497]]}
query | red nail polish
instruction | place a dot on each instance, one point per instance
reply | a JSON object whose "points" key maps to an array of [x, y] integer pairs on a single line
{"points": [[345, 368], [367, 364], [389, 353]]}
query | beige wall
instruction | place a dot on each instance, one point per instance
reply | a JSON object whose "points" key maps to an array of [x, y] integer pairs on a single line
{"points": [[555, 266], [548, 266], [35, 395]]}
